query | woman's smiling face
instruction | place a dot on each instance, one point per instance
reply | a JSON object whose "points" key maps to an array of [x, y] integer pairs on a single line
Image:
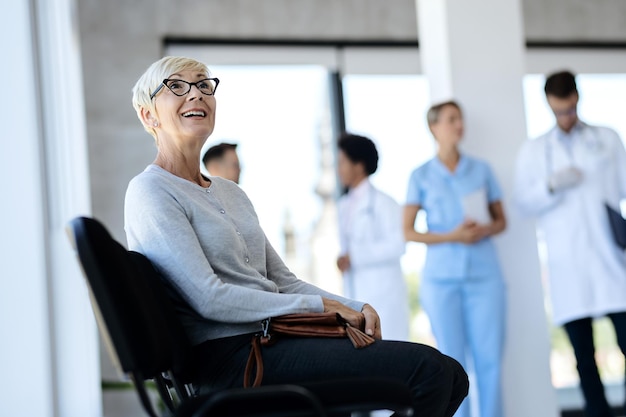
{"points": [[189, 115]]}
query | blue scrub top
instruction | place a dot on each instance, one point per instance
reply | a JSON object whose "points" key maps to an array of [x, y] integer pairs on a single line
{"points": [[440, 193]]}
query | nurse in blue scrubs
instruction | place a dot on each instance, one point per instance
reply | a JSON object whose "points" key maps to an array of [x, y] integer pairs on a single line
{"points": [[462, 289]]}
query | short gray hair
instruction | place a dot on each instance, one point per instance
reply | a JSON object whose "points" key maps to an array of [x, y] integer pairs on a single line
{"points": [[154, 75]]}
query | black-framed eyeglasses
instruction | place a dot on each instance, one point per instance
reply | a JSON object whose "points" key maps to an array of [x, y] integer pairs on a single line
{"points": [[182, 87]]}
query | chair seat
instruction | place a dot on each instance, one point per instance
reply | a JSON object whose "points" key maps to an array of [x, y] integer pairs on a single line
{"points": [[337, 398]]}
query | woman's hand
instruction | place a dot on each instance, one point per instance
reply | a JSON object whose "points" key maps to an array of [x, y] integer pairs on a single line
{"points": [[355, 318], [468, 232], [352, 316], [372, 322]]}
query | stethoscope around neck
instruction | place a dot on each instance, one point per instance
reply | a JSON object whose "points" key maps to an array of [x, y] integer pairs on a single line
{"points": [[593, 145], [368, 210]]}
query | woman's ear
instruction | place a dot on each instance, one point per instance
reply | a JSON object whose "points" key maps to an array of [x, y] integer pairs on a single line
{"points": [[147, 118]]}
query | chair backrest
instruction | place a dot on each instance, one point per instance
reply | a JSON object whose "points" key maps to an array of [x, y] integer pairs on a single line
{"points": [[131, 304]]}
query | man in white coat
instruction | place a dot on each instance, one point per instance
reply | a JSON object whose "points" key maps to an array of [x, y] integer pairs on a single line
{"points": [[371, 238], [564, 178]]}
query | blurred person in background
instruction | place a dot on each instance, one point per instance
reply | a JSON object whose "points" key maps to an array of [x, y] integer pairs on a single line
{"points": [[462, 289], [222, 160], [564, 178], [371, 238]]}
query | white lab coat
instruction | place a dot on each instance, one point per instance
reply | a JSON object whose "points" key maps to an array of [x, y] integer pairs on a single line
{"points": [[371, 233], [586, 269]]}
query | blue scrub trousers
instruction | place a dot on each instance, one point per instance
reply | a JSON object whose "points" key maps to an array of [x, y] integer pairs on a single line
{"points": [[468, 317]]}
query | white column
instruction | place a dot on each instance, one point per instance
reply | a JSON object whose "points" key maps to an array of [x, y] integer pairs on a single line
{"points": [[26, 382], [473, 51], [49, 350]]}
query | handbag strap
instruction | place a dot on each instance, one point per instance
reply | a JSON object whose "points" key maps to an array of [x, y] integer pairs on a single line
{"points": [[255, 360]]}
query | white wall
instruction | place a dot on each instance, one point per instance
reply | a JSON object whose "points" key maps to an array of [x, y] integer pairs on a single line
{"points": [[23, 295], [49, 350]]}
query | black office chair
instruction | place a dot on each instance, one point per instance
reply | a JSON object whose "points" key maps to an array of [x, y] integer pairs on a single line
{"points": [[147, 342]]}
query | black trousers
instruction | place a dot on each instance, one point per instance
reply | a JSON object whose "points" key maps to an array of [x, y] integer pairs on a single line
{"points": [[438, 383], [580, 334]]}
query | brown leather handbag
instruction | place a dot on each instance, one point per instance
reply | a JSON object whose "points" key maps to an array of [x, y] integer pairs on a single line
{"points": [[301, 325]]}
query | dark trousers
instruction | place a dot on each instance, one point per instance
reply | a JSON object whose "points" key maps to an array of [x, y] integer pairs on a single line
{"points": [[580, 334], [438, 383]]}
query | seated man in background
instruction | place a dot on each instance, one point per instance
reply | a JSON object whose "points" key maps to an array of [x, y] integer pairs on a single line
{"points": [[221, 160]]}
